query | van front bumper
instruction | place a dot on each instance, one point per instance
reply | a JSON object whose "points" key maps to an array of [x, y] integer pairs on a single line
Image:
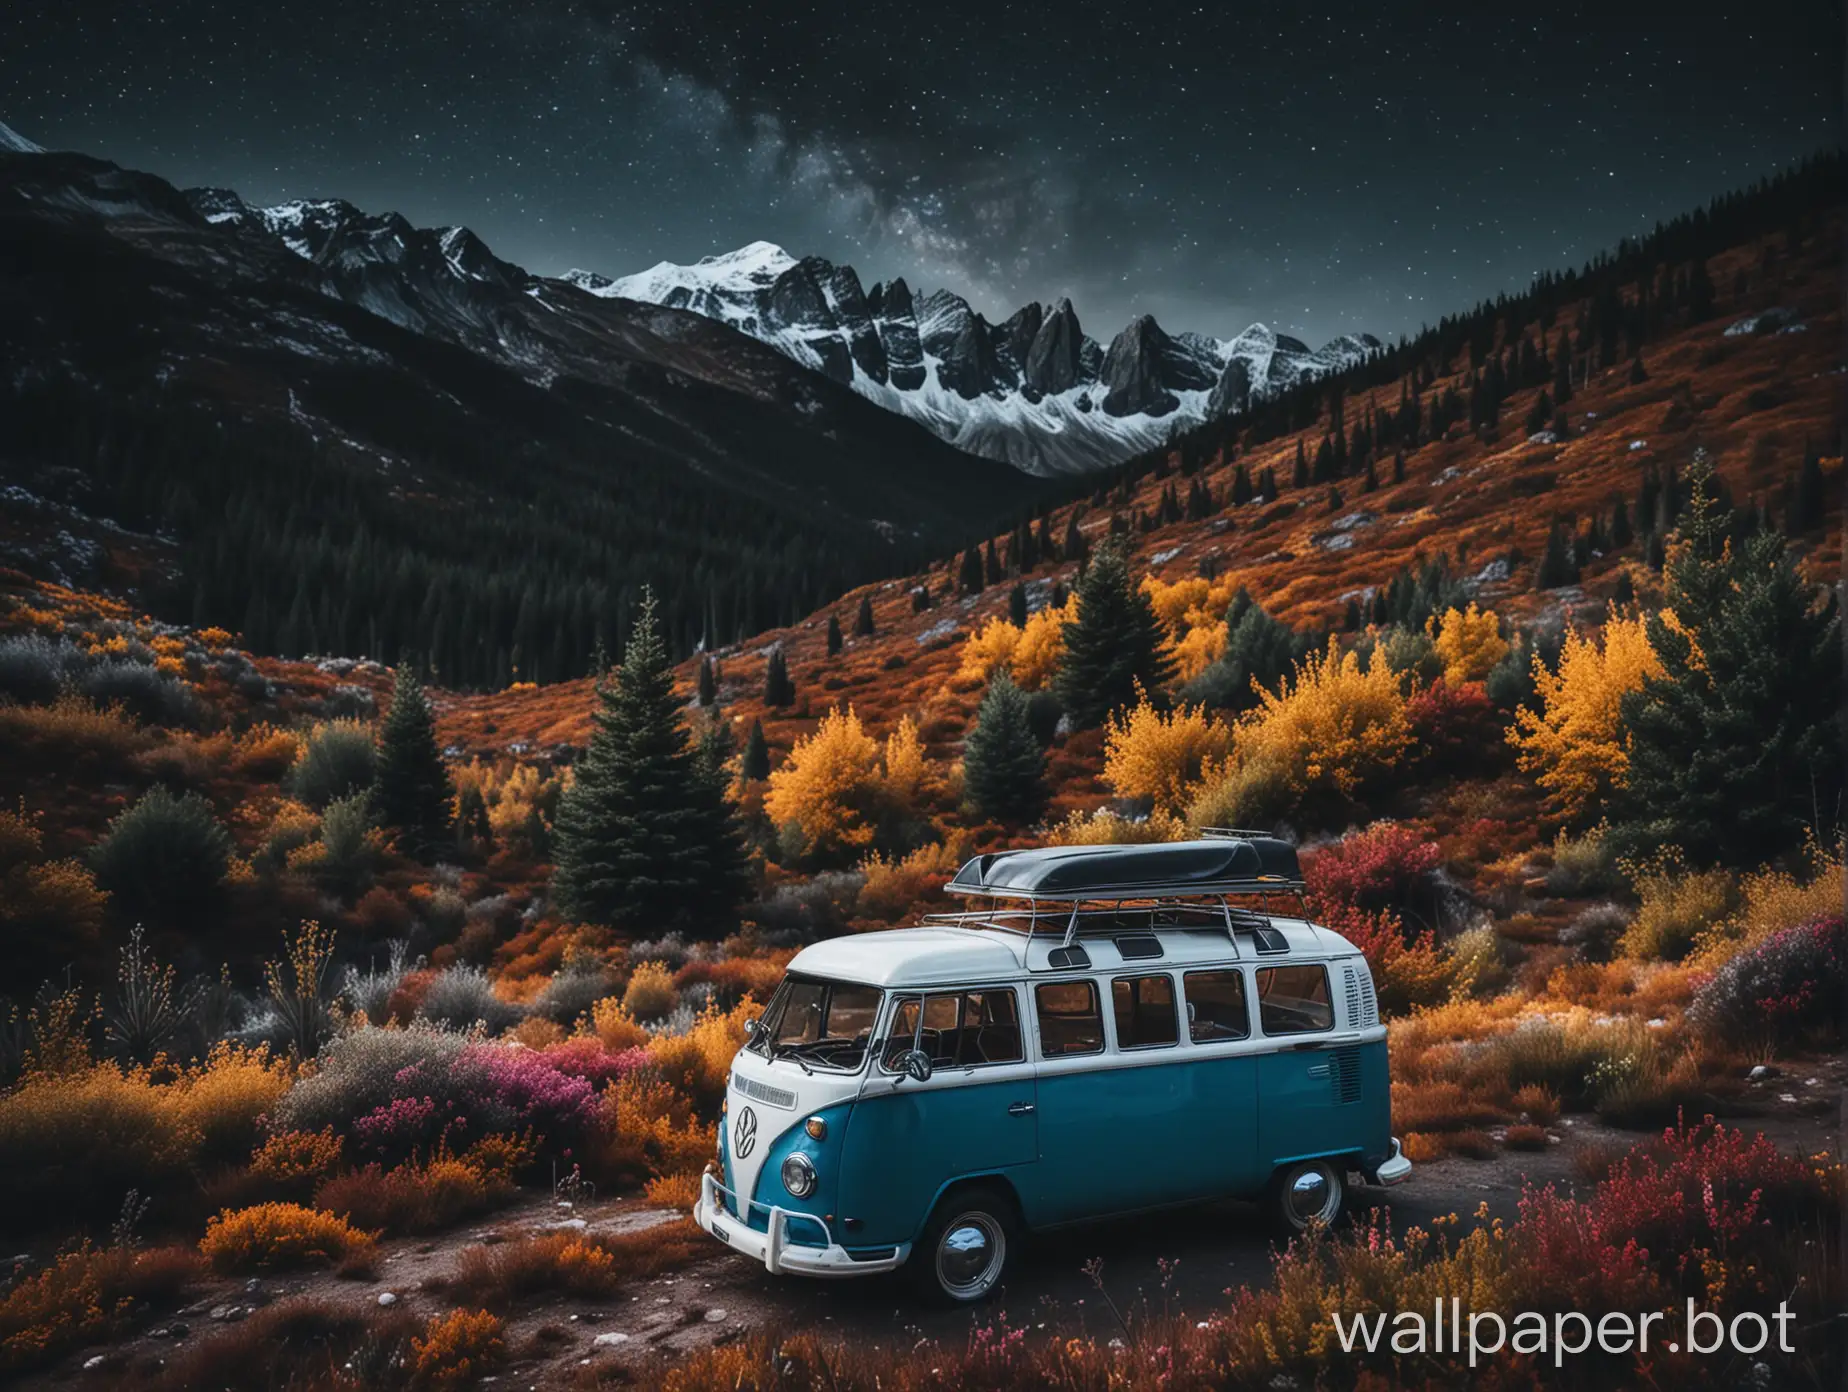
{"points": [[1395, 1169], [772, 1246]]}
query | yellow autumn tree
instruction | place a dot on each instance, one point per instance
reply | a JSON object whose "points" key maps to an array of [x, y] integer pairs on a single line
{"points": [[990, 647], [829, 787], [907, 771], [1042, 646], [1469, 643], [1160, 757], [1198, 649], [1576, 744]]}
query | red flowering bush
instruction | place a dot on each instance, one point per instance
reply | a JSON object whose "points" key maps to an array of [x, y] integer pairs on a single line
{"points": [[1452, 724], [1706, 1193], [1387, 866], [536, 1090], [584, 1056], [1788, 986]]}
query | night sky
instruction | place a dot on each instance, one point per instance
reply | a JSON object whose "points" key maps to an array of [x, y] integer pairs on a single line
{"points": [[1322, 168]]}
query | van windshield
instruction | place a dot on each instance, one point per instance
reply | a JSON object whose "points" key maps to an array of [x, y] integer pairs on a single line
{"points": [[825, 1024]]}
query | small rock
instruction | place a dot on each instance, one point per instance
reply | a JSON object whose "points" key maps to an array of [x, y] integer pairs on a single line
{"points": [[1786, 1097], [1759, 1073], [387, 1298], [221, 1312], [572, 1224], [714, 1316], [90, 1363], [610, 1339]]}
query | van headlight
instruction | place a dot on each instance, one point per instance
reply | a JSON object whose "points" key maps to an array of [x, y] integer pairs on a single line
{"points": [[799, 1175]]}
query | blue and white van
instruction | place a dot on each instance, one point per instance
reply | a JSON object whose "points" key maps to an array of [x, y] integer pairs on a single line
{"points": [[1119, 1028]]}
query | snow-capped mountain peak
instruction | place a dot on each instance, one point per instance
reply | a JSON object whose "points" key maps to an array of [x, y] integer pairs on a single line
{"points": [[1033, 389], [11, 140]]}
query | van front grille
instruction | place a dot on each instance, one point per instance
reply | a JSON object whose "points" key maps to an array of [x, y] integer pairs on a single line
{"points": [[763, 1092], [1344, 1074]]}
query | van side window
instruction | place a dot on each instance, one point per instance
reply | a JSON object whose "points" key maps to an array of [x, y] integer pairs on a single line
{"points": [[1294, 1000], [1216, 1006], [962, 1029], [1069, 1019], [1144, 1008]]}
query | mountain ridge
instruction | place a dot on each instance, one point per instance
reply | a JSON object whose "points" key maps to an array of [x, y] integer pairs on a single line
{"points": [[1034, 390]]}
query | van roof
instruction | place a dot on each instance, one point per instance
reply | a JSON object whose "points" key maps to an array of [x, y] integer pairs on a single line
{"points": [[947, 954], [1234, 863]]}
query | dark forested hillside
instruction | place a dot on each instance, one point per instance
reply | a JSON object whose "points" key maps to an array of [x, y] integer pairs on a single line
{"points": [[331, 481]]}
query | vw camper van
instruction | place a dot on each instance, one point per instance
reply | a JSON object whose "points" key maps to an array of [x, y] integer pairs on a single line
{"points": [[1108, 1029]]}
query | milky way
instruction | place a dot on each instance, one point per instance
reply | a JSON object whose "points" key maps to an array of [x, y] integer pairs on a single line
{"points": [[1351, 167]]}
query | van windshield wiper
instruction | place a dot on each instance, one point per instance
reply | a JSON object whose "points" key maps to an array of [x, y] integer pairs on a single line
{"points": [[788, 1051]]}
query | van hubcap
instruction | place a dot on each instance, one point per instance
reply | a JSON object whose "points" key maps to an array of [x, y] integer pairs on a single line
{"points": [[1311, 1196], [970, 1255]]}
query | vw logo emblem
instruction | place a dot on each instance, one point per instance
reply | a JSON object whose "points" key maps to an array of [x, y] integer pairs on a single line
{"points": [[744, 1134]]}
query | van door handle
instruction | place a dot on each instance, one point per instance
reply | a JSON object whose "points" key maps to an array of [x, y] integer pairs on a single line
{"points": [[1020, 1109]]}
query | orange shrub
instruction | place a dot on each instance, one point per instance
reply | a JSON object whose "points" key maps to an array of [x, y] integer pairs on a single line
{"points": [[279, 1236], [679, 1190], [72, 727], [615, 1027], [894, 887], [699, 1060], [455, 1350], [297, 1160], [84, 1295], [225, 1098], [648, 1129], [650, 993], [1158, 757]]}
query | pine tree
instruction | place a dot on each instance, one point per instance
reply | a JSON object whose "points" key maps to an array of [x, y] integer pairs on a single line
{"points": [[1017, 605], [834, 635], [1556, 568], [1003, 764], [1621, 535], [863, 618], [1074, 547], [646, 840], [1267, 485], [708, 681], [1637, 373], [1736, 747], [1809, 499], [755, 765], [779, 688], [1116, 643], [1299, 478], [411, 792], [971, 576], [991, 565], [1398, 466]]}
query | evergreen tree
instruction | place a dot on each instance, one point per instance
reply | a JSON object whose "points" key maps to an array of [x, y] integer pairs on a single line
{"points": [[971, 576], [863, 618], [1299, 478], [1621, 535], [1398, 466], [411, 792], [708, 681], [1003, 763], [1017, 605], [1074, 547], [1267, 485], [1115, 644], [646, 840], [1241, 486], [991, 565], [1637, 373], [779, 688], [1556, 568], [1810, 497], [1736, 747], [755, 766], [834, 635]]}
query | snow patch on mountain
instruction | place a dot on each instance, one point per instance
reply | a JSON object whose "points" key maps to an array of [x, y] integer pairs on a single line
{"points": [[11, 140]]}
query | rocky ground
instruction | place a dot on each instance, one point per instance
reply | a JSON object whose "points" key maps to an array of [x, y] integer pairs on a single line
{"points": [[723, 1296]]}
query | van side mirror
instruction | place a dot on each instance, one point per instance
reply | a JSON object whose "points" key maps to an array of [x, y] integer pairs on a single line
{"points": [[753, 1028], [914, 1064]]}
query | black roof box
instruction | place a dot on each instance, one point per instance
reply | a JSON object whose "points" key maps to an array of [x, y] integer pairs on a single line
{"points": [[1222, 865]]}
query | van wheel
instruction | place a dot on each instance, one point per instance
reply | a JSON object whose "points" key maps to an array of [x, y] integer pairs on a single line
{"points": [[963, 1252], [1312, 1191]]}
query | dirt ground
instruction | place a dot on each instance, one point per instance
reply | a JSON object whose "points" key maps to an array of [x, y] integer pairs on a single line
{"points": [[725, 1296]]}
